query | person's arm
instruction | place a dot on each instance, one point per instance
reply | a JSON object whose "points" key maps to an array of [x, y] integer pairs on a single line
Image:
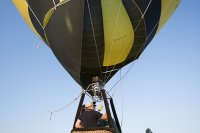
{"points": [[104, 117], [78, 124]]}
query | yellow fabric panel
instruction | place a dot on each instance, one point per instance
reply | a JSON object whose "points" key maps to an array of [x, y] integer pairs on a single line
{"points": [[167, 9], [118, 32], [47, 17], [22, 7]]}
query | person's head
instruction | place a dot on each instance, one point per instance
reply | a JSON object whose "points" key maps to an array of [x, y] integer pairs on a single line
{"points": [[89, 106]]}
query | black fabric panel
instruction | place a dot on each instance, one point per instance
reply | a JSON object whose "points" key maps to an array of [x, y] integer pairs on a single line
{"points": [[142, 4], [57, 1], [90, 64], [152, 18], [139, 27], [37, 26], [40, 7], [64, 32]]}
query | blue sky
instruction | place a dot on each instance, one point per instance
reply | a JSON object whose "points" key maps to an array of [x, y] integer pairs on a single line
{"points": [[162, 90]]}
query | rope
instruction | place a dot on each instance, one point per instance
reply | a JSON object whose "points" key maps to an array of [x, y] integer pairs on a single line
{"points": [[146, 8], [122, 98], [94, 38], [122, 103], [54, 4], [117, 88], [67, 105], [35, 16], [62, 2], [39, 24], [57, 110]]}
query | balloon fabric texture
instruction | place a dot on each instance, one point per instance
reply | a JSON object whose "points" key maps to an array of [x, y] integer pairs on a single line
{"points": [[96, 37]]}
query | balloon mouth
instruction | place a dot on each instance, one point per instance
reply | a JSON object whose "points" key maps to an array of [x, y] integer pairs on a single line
{"points": [[95, 89]]}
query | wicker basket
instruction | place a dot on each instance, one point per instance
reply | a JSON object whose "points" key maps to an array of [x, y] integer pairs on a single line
{"points": [[96, 131], [93, 130]]}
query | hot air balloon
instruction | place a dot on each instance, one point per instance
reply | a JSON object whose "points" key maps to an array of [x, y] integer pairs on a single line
{"points": [[93, 39]]}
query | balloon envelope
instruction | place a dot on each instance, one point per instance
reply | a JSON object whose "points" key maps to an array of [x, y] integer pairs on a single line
{"points": [[96, 37]]}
